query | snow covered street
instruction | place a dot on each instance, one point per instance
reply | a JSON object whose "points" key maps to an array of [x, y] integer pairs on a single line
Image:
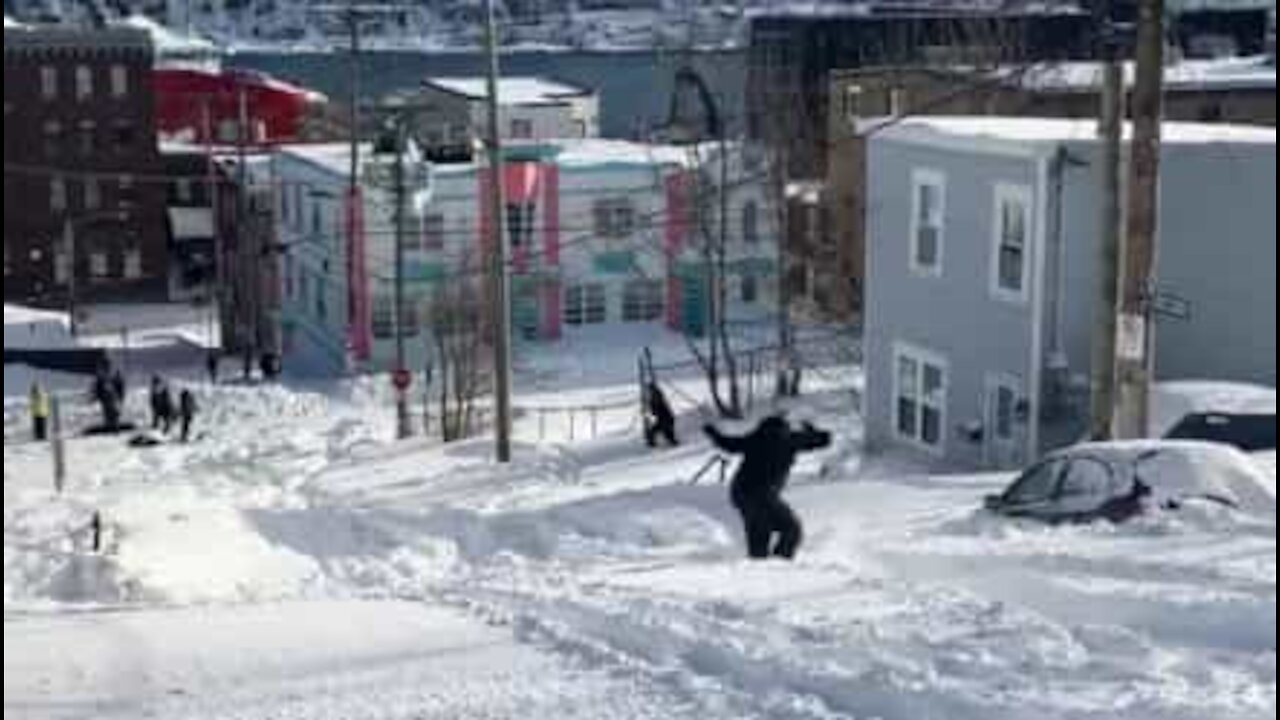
{"points": [[293, 565]]}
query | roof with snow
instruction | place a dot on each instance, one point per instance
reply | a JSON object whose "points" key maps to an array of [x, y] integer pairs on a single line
{"points": [[512, 90], [1256, 73], [168, 42], [11, 24], [567, 154], [1004, 133]]}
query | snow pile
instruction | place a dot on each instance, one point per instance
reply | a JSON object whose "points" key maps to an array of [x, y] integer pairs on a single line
{"points": [[30, 329]]}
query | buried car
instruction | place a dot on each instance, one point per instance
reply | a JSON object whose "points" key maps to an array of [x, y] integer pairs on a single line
{"points": [[1120, 481], [1239, 415]]}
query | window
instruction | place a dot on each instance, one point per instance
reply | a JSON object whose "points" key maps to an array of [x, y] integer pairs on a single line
{"points": [[52, 138], [57, 195], [585, 305], [433, 231], [750, 289], [1087, 478], [615, 218], [852, 107], [317, 221], [751, 223], [99, 267], [124, 136], [642, 301], [126, 189], [412, 318], [384, 320], [132, 264], [1037, 485], [520, 222], [322, 299], [1011, 256], [921, 396], [580, 128], [928, 212], [87, 135], [62, 265], [1006, 412], [92, 194], [119, 81], [49, 83], [84, 83], [521, 129], [183, 191]]}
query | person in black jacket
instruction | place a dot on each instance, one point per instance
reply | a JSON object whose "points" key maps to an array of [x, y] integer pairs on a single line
{"points": [[661, 423], [187, 410], [769, 453], [162, 409]]}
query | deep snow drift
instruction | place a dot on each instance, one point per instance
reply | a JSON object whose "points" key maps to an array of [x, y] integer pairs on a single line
{"points": [[294, 565]]}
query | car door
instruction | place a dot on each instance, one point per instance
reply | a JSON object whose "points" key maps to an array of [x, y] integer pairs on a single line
{"points": [[1087, 485]]}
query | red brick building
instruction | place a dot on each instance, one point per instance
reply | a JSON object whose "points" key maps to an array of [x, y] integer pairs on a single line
{"points": [[81, 162]]}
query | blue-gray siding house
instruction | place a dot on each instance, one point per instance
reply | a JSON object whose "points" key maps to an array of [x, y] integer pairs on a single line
{"points": [[982, 275]]}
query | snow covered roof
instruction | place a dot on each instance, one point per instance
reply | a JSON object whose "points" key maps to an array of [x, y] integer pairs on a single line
{"points": [[1032, 134], [21, 315], [168, 42], [1234, 73], [1174, 401], [512, 90], [11, 24], [567, 154]]}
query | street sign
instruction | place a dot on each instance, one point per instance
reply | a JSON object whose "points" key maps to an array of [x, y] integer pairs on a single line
{"points": [[1171, 307], [402, 380]]}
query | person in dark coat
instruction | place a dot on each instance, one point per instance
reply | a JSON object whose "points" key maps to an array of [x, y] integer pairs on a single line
{"points": [[769, 453], [187, 410], [661, 423], [162, 409], [105, 395], [211, 363], [119, 386]]}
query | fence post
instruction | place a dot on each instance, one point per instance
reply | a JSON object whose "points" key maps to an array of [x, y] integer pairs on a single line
{"points": [[59, 447]]}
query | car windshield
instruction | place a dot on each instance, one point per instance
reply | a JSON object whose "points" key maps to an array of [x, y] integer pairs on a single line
{"points": [[1037, 484]]}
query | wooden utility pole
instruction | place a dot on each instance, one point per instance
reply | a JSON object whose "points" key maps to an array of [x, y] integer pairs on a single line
{"points": [[404, 423], [1111, 136], [1138, 288], [500, 279]]}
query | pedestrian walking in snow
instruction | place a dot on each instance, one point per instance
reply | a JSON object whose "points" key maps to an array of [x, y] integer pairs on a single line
{"points": [[162, 409], [211, 366], [187, 410], [40, 411], [661, 421], [105, 395], [769, 453], [119, 386]]}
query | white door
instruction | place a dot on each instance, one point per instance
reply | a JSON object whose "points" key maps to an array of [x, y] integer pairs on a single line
{"points": [[1006, 423]]}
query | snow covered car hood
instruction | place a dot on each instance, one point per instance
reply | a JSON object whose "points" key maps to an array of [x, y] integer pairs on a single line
{"points": [[1180, 470]]}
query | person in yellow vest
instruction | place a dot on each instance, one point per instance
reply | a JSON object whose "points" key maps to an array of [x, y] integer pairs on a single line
{"points": [[39, 413]]}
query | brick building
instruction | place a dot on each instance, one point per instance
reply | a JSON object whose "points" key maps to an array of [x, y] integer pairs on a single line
{"points": [[81, 162]]}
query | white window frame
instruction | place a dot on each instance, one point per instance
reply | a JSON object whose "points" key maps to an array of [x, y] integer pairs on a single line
{"points": [[522, 129], [579, 309], [48, 83], [84, 83], [750, 222], [119, 81], [921, 358], [99, 265], [614, 218], [1024, 196], [132, 263], [643, 301], [920, 179]]}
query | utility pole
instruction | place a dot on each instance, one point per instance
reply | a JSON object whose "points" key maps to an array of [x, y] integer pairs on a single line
{"points": [[500, 280], [1111, 135], [404, 423], [217, 296], [1138, 288], [248, 277]]}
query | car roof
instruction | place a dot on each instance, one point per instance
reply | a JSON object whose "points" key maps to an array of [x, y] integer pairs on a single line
{"points": [[1174, 401], [1190, 468]]}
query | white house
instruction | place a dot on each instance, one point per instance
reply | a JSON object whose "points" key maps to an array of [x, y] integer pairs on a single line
{"points": [[601, 232], [983, 274]]}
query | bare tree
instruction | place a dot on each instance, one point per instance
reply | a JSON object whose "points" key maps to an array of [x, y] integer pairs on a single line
{"points": [[457, 333]]}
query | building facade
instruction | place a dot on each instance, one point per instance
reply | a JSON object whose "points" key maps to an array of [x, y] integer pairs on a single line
{"points": [[602, 233], [450, 114], [1237, 91], [983, 269], [83, 192]]}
